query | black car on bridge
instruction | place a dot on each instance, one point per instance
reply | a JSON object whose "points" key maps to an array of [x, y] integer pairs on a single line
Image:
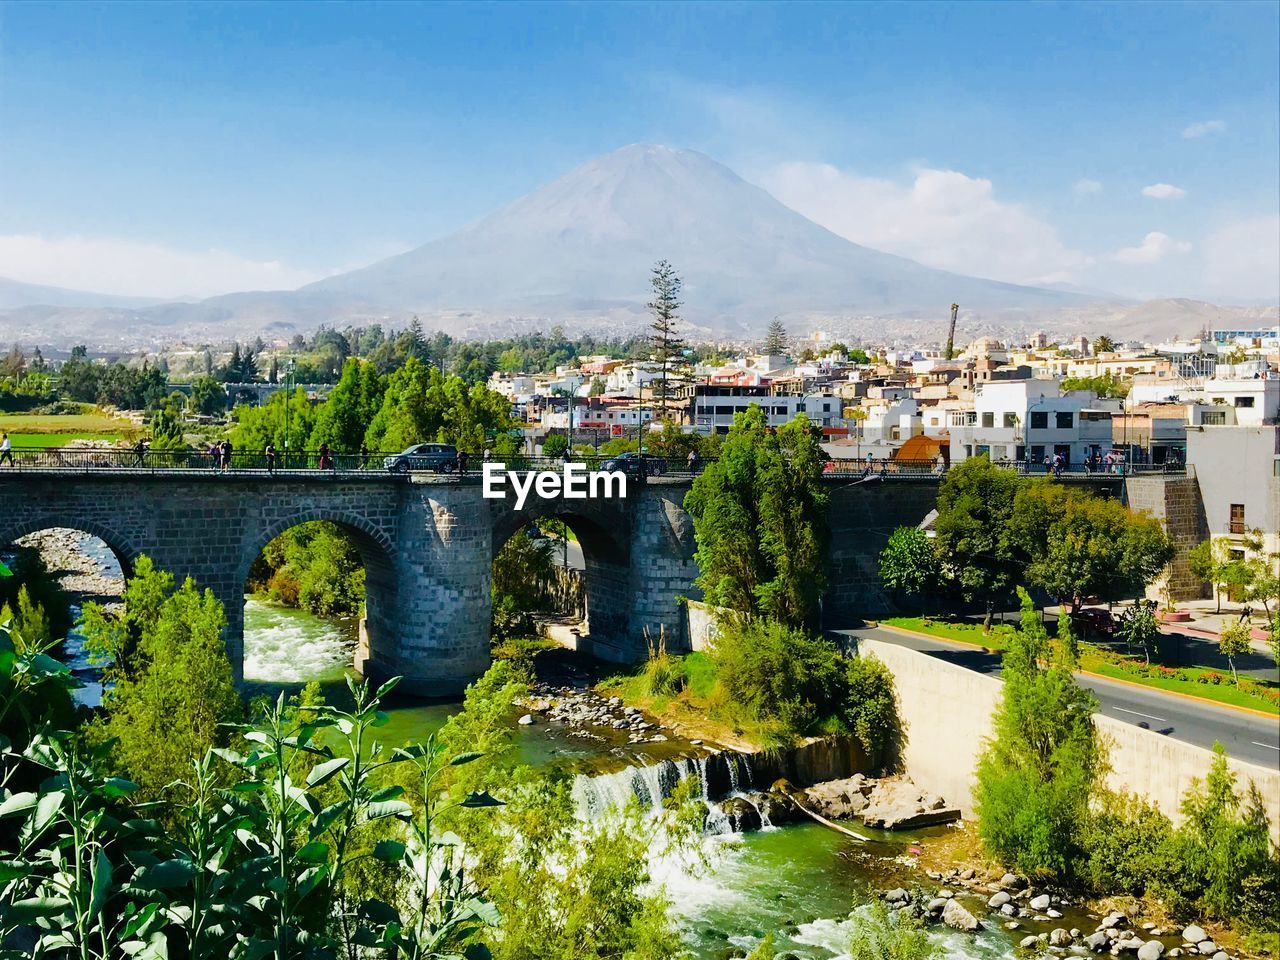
{"points": [[440, 457]]}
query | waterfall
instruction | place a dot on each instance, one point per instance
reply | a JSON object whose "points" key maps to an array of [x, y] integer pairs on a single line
{"points": [[720, 776]]}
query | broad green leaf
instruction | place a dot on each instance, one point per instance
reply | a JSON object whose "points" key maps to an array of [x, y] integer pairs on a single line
{"points": [[25, 912], [101, 884], [389, 851], [386, 688], [165, 876], [324, 772], [313, 852], [18, 803], [481, 799], [388, 808], [393, 792], [462, 758]]}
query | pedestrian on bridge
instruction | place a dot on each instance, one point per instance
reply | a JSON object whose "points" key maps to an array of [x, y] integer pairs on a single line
{"points": [[225, 451], [6, 451], [140, 453], [326, 461], [270, 454]]}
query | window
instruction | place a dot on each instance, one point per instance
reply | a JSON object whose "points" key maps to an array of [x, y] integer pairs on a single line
{"points": [[1010, 421], [988, 419], [1214, 418], [1064, 420], [1244, 401], [1039, 419], [1237, 518]]}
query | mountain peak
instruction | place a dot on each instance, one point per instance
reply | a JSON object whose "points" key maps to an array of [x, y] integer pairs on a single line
{"points": [[585, 243]]}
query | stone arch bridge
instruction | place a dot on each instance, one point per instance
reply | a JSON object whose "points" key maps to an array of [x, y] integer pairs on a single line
{"points": [[428, 547]]}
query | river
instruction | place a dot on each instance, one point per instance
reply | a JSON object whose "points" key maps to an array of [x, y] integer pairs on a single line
{"points": [[799, 881]]}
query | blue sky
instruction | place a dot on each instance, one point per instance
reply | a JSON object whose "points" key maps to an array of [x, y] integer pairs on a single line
{"points": [[169, 148]]}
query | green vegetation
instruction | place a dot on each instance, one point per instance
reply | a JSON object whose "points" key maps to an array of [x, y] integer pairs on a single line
{"points": [[313, 566], [521, 583], [1043, 810], [768, 684], [46, 600], [882, 934], [302, 836], [1105, 386], [167, 684], [1036, 774], [759, 517], [996, 529]]}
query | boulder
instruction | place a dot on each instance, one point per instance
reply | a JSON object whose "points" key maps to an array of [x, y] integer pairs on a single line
{"points": [[958, 918], [525, 720], [1097, 941], [897, 895], [1059, 937], [1193, 934], [1151, 950], [1207, 948], [998, 900]]}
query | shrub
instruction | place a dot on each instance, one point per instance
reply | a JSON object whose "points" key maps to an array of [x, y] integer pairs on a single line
{"points": [[871, 710], [781, 674], [882, 935], [1036, 775], [1127, 840]]}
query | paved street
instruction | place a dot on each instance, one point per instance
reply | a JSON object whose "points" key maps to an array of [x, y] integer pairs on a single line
{"points": [[1246, 736]]}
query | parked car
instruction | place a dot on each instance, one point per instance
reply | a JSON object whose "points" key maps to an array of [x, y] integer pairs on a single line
{"points": [[1095, 621], [440, 457], [633, 465]]}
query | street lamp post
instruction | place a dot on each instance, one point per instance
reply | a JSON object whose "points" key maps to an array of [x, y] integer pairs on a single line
{"points": [[288, 373]]}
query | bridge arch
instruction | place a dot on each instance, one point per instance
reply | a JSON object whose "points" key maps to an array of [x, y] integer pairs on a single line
{"points": [[606, 556], [378, 555], [123, 549]]}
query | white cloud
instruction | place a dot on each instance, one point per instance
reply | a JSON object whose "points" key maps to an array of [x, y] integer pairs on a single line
{"points": [[942, 218], [1242, 260], [1203, 129], [1087, 187], [130, 268], [1155, 246], [1164, 191]]}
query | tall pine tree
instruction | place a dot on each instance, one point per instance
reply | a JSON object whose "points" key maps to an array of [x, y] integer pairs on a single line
{"points": [[668, 346], [775, 341]]}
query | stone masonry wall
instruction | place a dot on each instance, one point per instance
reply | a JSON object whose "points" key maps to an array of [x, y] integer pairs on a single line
{"points": [[1175, 502]]}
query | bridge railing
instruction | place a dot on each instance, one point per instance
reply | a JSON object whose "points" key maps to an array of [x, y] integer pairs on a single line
{"points": [[311, 462]]}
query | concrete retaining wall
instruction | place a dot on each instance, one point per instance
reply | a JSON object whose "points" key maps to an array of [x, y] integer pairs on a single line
{"points": [[701, 625], [946, 711]]}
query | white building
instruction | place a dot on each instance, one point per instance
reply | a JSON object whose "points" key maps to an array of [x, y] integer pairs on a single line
{"points": [[1031, 420]]}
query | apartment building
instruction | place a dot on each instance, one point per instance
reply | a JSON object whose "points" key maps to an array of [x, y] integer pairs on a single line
{"points": [[1031, 420]]}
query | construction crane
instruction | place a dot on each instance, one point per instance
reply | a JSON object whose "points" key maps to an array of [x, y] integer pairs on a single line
{"points": [[951, 333]]}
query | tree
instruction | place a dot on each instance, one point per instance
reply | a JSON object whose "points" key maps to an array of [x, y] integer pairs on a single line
{"points": [[555, 445], [759, 519], [1083, 546], [1234, 641], [1138, 626], [975, 507], [1037, 772], [344, 418], [1104, 344], [667, 344], [775, 341], [207, 396], [1213, 562], [167, 686], [909, 563]]}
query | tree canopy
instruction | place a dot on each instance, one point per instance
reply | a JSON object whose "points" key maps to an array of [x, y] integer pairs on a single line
{"points": [[759, 514]]}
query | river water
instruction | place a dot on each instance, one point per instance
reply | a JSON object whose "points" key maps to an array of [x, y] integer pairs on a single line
{"points": [[803, 882]]}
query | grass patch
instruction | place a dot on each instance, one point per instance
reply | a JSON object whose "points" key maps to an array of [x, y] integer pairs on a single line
{"points": [[688, 700], [47, 441], [51, 429], [958, 630], [1196, 681]]}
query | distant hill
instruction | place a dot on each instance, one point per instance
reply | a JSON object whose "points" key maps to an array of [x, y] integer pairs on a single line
{"points": [[14, 293]]}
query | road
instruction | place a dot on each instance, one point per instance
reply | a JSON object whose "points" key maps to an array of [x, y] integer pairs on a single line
{"points": [[1246, 736]]}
